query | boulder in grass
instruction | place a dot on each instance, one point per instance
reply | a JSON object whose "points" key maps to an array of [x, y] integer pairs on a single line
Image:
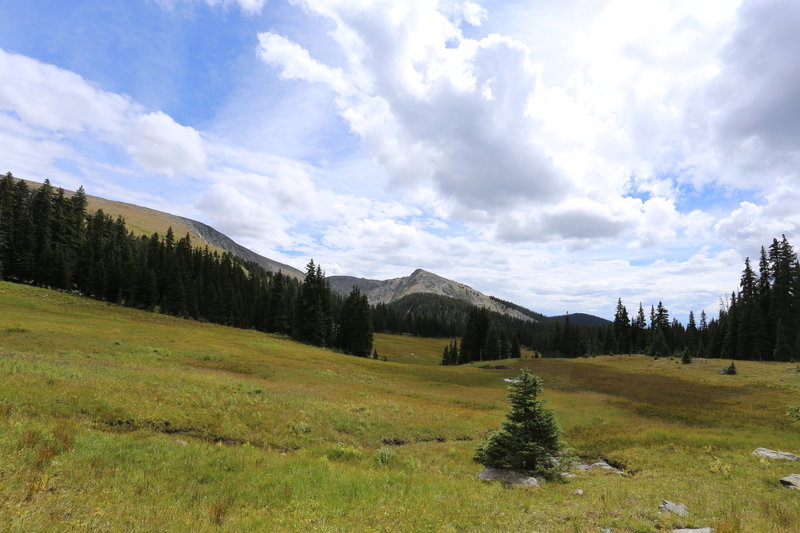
{"points": [[697, 530], [674, 508], [599, 464], [514, 477], [772, 454], [792, 481]]}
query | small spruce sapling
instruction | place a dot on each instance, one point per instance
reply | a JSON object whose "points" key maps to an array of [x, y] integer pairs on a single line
{"points": [[687, 357], [729, 370], [529, 438]]}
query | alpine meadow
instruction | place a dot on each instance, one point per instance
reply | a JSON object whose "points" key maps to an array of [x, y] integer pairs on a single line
{"points": [[380, 266]]}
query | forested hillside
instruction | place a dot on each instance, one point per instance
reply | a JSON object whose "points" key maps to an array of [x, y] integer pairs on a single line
{"points": [[49, 239]]}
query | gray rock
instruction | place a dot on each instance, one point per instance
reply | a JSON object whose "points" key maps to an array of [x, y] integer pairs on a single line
{"points": [[579, 492], [514, 477], [792, 481], [606, 531], [697, 530], [600, 464], [772, 454], [678, 509]]}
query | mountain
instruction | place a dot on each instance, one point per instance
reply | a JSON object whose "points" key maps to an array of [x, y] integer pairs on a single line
{"points": [[422, 281], [214, 238], [582, 319], [146, 221]]}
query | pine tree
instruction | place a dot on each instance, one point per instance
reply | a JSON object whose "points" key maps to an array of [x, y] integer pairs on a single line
{"points": [[473, 341], [731, 323], [692, 334], [516, 351], [621, 329], [313, 318], [355, 329], [529, 438], [783, 348], [639, 326]]}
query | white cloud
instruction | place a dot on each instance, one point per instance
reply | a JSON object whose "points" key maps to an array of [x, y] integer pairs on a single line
{"points": [[45, 96], [161, 145], [295, 61], [433, 112], [753, 225], [248, 7]]}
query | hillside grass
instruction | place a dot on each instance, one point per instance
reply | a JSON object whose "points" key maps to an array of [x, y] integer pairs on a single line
{"points": [[113, 419]]}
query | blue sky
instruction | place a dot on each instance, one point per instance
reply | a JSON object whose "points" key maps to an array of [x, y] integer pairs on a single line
{"points": [[559, 155]]}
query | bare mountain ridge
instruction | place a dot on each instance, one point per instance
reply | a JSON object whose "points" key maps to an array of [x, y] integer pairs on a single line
{"points": [[420, 281], [213, 237]]}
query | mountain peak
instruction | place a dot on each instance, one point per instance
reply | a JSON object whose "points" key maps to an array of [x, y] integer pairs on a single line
{"points": [[420, 281]]}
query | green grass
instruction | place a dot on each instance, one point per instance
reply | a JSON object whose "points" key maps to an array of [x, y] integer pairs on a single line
{"points": [[113, 419]]}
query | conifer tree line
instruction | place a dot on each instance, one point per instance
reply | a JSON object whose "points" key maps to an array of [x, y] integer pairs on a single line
{"points": [[48, 239], [483, 340], [760, 321]]}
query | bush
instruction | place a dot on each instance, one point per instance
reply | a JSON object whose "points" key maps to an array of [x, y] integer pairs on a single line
{"points": [[686, 358], [529, 438], [385, 456], [729, 370], [343, 454]]}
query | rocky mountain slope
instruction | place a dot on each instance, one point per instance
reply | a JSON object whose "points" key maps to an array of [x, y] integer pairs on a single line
{"points": [[211, 236], [420, 281]]}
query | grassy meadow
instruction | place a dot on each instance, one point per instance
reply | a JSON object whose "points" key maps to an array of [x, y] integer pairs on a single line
{"points": [[113, 419]]}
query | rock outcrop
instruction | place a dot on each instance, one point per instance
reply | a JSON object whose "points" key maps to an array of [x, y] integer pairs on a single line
{"points": [[792, 481], [514, 477], [772, 454], [674, 508]]}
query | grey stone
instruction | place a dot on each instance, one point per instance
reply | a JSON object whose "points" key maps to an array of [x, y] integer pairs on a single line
{"points": [[606, 531], [792, 481], [579, 492], [696, 530], [514, 477], [674, 508], [772, 454], [599, 464]]}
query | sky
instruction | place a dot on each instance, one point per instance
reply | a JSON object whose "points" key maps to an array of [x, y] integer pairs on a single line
{"points": [[560, 155]]}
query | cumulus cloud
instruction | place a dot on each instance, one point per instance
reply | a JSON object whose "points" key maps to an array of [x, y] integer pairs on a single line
{"points": [[48, 97], [454, 115], [161, 145], [753, 109], [295, 61], [753, 225]]}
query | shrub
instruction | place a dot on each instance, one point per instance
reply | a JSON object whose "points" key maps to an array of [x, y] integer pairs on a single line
{"points": [[686, 358], [729, 370], [529, 438], [343, 454], [385, 456]]}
